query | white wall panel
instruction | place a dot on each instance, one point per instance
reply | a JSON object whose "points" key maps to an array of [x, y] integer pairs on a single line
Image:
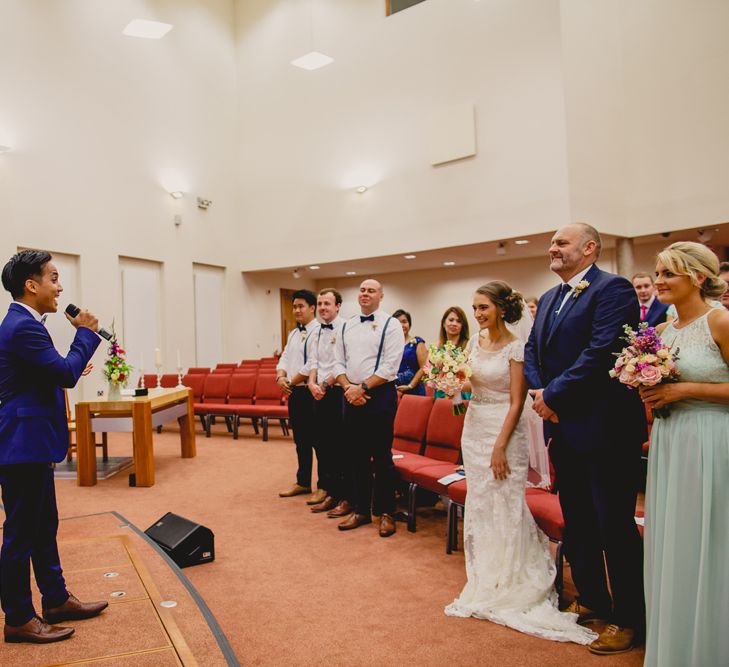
{"points": [[209, 286]]}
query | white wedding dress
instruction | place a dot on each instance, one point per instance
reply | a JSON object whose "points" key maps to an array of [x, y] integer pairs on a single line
{"points": [[508, 563]]}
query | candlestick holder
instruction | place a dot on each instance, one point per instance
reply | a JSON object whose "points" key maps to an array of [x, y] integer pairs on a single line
{"points": [[141, 378], [159, 376], [179, 378]]}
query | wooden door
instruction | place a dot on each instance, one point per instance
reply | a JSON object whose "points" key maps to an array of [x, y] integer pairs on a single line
{"points": [[287, 315]]}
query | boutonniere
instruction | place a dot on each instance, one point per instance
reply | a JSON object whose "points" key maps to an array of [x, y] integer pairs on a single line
{"points": [[333, 341], [304, 334], [579, 288], [374, 326]]}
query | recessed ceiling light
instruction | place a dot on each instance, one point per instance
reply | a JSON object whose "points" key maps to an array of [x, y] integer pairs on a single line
{"points": [[351, 273], [315, 267], [410, 256], [147, 29], [449, 263], [521, 241], [312, 60]]}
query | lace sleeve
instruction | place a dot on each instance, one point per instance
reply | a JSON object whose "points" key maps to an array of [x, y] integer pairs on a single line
{"points": [[516, 351]]}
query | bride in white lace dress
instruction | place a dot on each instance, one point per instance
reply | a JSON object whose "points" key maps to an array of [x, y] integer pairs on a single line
{"points": [[508, 563]]}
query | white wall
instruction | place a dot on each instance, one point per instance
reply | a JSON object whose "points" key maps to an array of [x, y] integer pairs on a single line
{"points": [[209, 293]]}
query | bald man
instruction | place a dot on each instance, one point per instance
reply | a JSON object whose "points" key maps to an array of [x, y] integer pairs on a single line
{"points": [[367, 359]]}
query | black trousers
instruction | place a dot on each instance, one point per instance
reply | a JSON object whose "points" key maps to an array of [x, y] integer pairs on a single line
{"points": [[597, 492], [368, 431], [29, 535], [302, 419], [331, 453]]}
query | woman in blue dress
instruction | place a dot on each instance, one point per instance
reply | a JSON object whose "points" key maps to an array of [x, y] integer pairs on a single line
{"points": [[413, 358], [687, 494]]}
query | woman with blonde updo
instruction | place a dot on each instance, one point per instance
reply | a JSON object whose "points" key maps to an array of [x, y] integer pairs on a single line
{"points": [[687, 522], [508, 562]]}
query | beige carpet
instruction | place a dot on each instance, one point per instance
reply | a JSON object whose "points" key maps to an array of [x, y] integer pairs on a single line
{"points": [[289, 588]]}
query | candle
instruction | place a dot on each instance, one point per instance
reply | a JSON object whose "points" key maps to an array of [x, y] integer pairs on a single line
{"points": [[157, 357], [179, 363]]}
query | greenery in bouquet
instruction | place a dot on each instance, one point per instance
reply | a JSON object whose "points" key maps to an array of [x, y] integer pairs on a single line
{"points": [[447, 369], [116, 368]]}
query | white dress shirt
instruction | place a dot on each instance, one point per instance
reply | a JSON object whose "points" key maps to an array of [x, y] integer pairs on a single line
{"points": [[572, 282], [296, 352], [357, 348], [321, 351]]}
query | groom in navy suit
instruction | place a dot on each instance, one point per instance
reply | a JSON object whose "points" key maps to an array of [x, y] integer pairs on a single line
{"points": [[597, 427], [33, 434]]}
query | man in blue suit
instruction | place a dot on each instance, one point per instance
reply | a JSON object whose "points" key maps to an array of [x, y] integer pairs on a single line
{"points": [[651, 309], [597, 427], [33, 434]]}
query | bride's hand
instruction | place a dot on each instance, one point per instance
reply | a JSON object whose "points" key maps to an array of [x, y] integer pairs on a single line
{"points": [[499, 464]]}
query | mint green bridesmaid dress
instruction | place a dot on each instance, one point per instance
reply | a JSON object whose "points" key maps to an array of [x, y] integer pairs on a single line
{"points": [[687, 516]]}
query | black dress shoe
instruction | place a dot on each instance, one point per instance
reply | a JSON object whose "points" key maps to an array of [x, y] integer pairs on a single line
{"points": [[74, 610], [355, 521], [36, 631]]}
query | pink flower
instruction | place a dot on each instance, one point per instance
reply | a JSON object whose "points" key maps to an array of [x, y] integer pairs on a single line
{"points": [[650, 376]]}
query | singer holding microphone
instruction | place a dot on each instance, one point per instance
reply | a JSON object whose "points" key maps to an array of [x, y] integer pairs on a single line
{"points": [[33, 434]]}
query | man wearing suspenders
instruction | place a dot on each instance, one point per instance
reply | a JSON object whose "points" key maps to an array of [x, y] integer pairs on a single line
{"points": [[367, 361], [328, 396], [301, 402]]}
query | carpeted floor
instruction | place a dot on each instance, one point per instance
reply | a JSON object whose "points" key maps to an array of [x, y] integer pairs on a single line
{"points": [[288, 588]]}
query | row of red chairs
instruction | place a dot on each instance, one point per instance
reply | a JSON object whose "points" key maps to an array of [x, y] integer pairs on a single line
{"points": [[235, 396]]}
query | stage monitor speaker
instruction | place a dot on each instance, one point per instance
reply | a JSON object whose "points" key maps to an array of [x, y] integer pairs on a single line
{"points": [[185, 542]]}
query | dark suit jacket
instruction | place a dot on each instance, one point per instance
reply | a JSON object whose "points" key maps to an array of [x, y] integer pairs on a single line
{"points": [[33, 426], [571, 363], [656, 314]]}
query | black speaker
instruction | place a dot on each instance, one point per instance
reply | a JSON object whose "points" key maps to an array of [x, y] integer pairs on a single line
{"points": [[185, 542]]}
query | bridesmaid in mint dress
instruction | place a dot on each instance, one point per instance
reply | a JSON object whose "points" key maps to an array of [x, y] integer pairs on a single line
{"points": [[687, 496]]}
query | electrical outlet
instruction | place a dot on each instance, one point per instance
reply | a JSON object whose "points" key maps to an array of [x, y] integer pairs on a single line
{"points": [[99, 392]]}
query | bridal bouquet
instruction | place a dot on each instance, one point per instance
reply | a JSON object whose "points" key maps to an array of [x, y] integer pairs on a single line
{"points": [[646, 361], [447, 369]]}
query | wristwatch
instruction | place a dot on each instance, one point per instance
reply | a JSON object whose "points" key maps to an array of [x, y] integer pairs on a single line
{"points": [[364, 386]]}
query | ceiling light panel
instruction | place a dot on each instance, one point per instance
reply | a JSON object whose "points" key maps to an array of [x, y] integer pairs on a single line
{"points": [[312, 60], [147, 29]]}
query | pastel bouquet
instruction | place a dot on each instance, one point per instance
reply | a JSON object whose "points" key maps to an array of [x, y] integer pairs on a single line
{"points": [[447, 369], [116, 368], [646, 361]]}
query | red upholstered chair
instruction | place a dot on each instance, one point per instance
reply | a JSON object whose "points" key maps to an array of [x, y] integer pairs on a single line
{"points": [[267, 405], [442, 449], [249, 362], [150, 380], [219, 366], [545, 508], [214, 401], [224, 371], [199, 370], [196, 382], [457, 498], [168, 380], [411, 422], [241, 392]]}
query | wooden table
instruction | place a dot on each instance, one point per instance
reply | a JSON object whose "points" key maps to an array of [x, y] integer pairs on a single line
{"points": [[139, 416]]}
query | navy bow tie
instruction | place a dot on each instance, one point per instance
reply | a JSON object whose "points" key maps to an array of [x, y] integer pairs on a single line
{"points": [[301, 327], [367, 318], [327, 326]]}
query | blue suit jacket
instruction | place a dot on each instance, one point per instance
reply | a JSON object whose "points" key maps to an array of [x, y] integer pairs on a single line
{"points": [[571, 363], [656, 314], [33, 427]]}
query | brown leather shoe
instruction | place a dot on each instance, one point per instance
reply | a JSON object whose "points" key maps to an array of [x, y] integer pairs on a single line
{"points": [[613, 640], [355, 521], [343, 509], [387, 525], [74, 610], [295, 490], [36, 631], [585, 615], [325, 505], [319, 496]]}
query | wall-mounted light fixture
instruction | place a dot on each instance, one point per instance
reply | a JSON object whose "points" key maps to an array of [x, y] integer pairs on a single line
{"points": [[204, 203], [501, 249], [705, 235], [177, 194], [296, 273], [361, 189], [146, 29]]}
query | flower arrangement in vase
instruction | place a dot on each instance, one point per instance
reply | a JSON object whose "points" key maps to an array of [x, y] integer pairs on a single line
{"points": [[116, 368]]}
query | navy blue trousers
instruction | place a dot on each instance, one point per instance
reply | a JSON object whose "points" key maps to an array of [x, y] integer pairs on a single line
{"points": [[29, 534], [369, 429]]}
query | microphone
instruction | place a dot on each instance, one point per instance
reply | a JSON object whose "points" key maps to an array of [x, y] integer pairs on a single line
{"points": [[75, 310]]}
